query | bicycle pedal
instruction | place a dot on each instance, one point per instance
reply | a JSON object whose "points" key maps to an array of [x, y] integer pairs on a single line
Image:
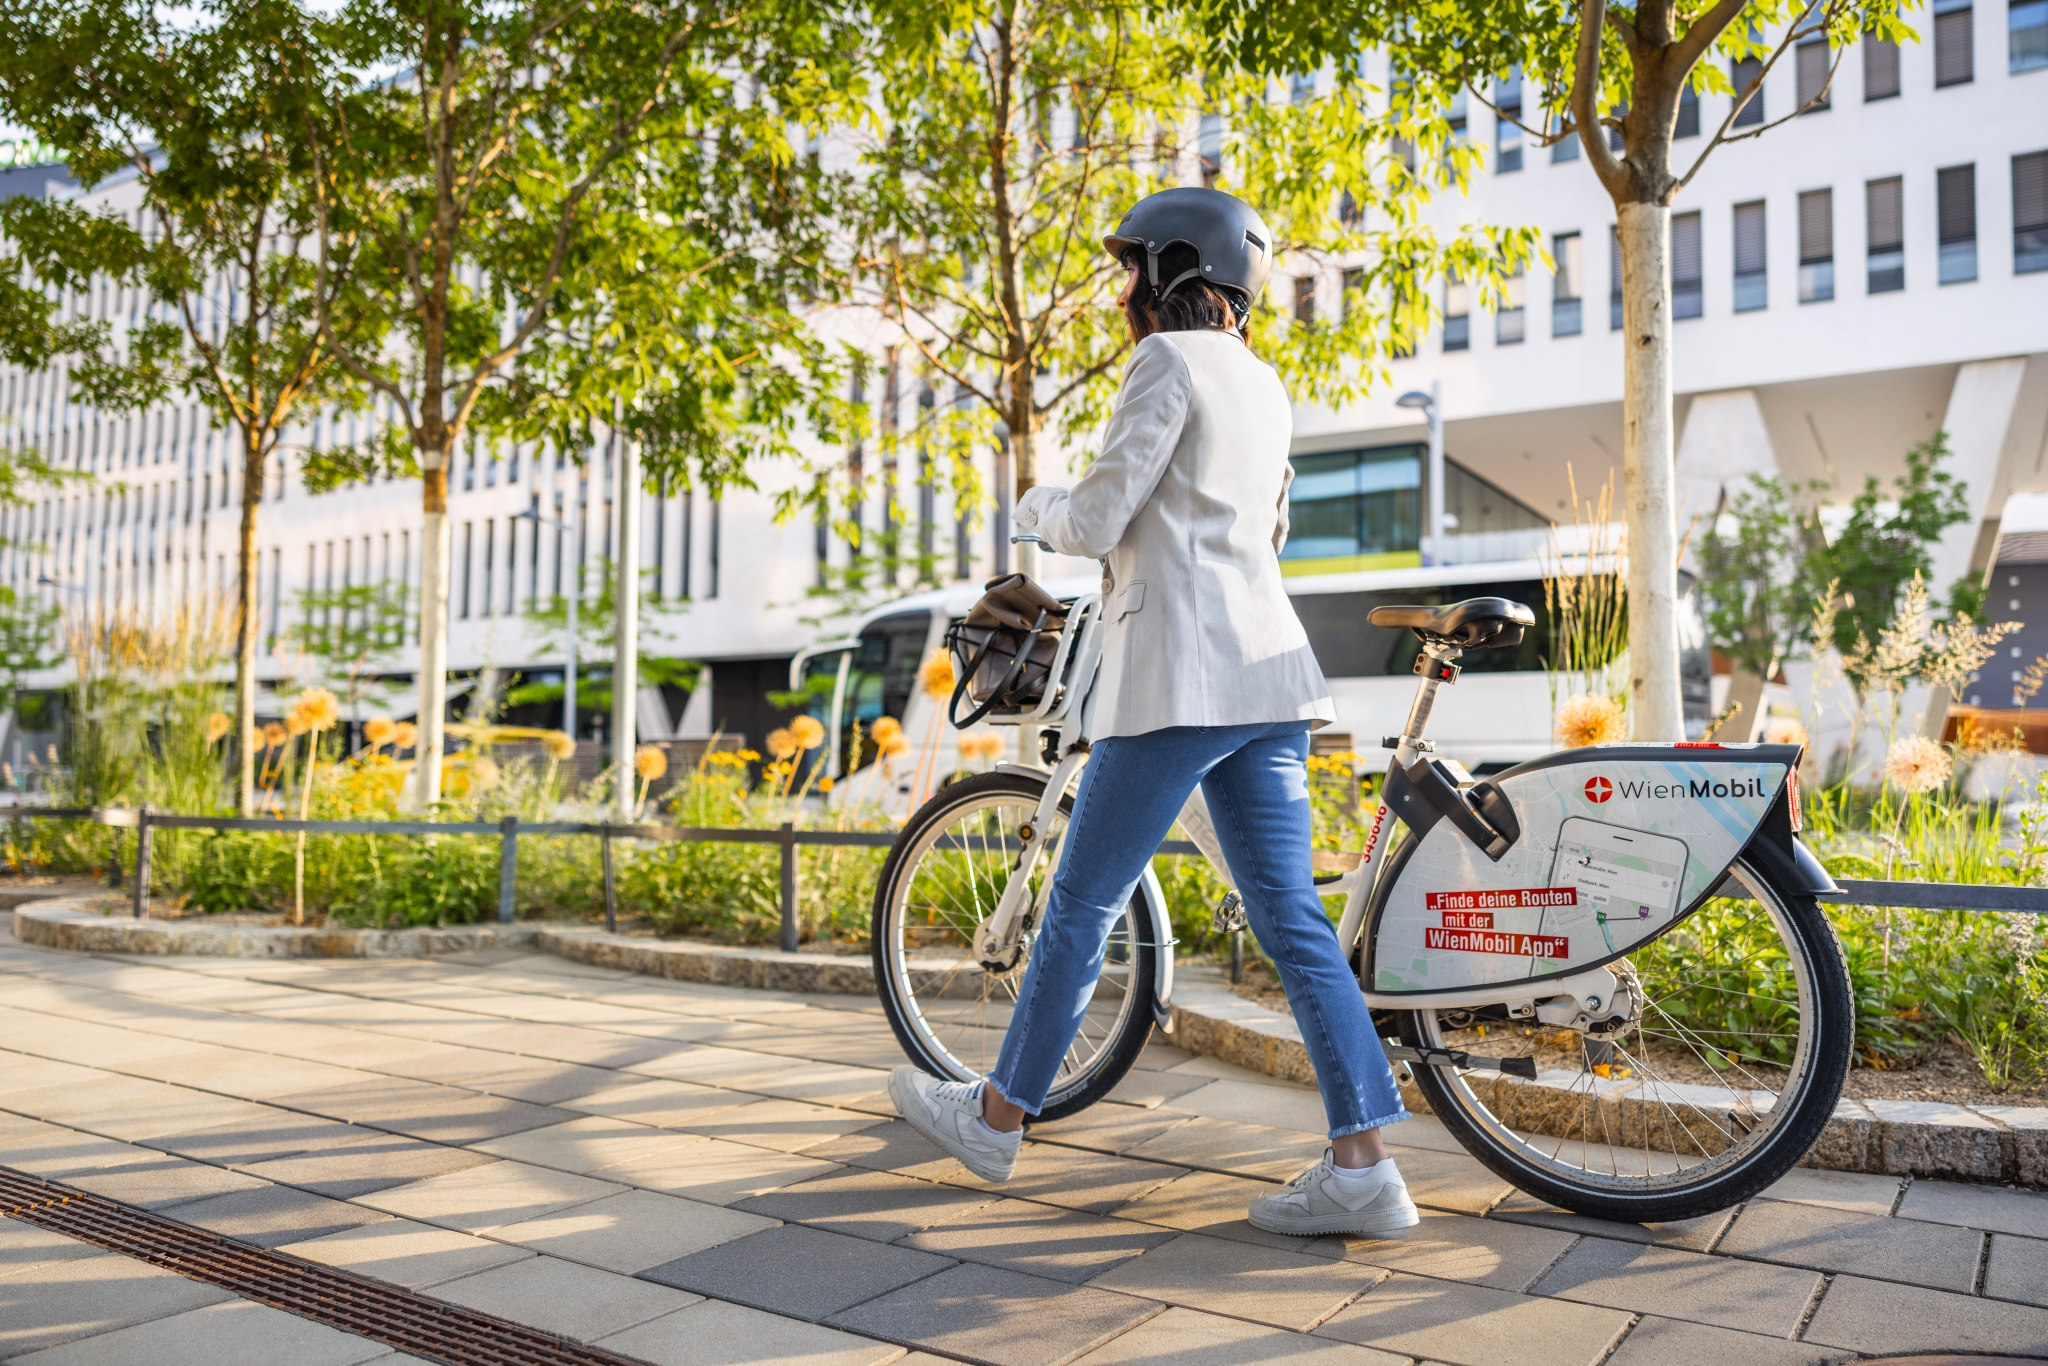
{"points": [[1228, 918]]}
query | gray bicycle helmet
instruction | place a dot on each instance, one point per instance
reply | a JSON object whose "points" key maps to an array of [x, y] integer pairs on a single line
{"points": [[1232, 246]]}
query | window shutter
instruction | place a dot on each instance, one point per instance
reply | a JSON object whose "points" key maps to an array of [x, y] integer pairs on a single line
{"points": [[1880, 69], [1953, 64], [1748, 72], [1956, 201], [1885, 206], [2030, 191], [1304, 298], [1812, 59], [1688, 114], [2030, 213], [1816, 226], [1685, 246], [1565, 251], [1749, 239]]}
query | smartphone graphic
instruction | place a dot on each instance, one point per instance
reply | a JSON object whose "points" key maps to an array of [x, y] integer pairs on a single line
{"points": [[1628, 880]]}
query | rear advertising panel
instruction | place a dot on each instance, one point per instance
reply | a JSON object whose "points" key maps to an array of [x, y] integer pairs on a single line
{"points": [[1614, 848]]}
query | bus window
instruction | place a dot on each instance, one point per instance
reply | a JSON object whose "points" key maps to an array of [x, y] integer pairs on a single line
{"points": [[1349, 646], [880, 680], [817, 685]]}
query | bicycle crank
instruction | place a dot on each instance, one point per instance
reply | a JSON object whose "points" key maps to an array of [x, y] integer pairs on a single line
{"points": [[1468, 1062]]}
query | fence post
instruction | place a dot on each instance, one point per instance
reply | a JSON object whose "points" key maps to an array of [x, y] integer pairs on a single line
{"points": [[788, 843], [508, 866], [611, 897], [142, 861]]}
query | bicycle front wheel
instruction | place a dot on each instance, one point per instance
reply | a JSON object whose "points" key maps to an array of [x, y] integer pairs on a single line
{"points": [[1715, 1091], [943, 878]]}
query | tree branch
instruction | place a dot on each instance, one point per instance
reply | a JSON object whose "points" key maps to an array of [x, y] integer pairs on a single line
{"points": [[1791, 39], [1585, 101]]}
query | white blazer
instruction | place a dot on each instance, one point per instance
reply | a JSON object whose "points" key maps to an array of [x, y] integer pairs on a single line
{"points": [[1188, 502]]}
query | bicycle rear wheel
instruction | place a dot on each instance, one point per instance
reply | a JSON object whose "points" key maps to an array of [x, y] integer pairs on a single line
{"points": [[943, 878], [1717, 1089]]}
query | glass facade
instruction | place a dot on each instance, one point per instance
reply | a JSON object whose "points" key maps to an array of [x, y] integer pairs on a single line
{"points": [[1356, 509]]}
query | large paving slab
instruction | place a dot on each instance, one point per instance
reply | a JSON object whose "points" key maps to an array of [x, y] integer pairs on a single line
{"points": [[1748, 1296], [567, 1298], [231, 1333], [1266, 1285], [60, 1301], [1059, 1244], [1188, 1337], [805, 1273], [998, 1317], [1474, 1326], [1884, 1318], [1830, 1239], [632, 1231]]}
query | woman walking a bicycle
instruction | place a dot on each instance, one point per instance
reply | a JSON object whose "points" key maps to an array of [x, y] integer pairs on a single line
{"points": [[1206, 679]]}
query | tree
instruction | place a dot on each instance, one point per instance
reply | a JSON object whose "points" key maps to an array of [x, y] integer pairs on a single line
{"points": [[1014, 133], [207, 113], [545, 177], [1886, 545], [1605, 72], [1752, 579], [350, 632]]}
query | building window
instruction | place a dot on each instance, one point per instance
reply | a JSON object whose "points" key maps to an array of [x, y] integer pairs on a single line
{"points": [[1507, 129], [2030, 213], [1353, 505], [1305, 300], [468, 544], [1687, 299], [1953, 35], [1567, 285], [1816, 246], [1884, 212], [1880, 69], [1752, 278], [1956, 210], [2027, 35], [1457, 314], [1510, 325], [1350, 290], [1688, 114], [1749, 71], [1812, 60], [1455, 116], [1614, 279], [1566, 148], [1301, 89]]}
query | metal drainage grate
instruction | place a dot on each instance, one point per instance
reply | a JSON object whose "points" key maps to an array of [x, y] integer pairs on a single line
{"points": [[409, 1322]]}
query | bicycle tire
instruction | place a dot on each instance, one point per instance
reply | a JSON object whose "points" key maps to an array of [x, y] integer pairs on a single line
{"points": [[1108, 1061], [1702, 1183]]}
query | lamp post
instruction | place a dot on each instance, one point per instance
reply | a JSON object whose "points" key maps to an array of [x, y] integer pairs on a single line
{"points": [[1431, 405], [626, 627], [575, 534]]}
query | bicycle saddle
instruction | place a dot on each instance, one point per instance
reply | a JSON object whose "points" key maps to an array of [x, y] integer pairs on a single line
{"points": [[1474, 624]]}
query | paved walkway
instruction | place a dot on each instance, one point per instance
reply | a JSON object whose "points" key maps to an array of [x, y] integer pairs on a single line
{"points": [[692, 1175]]}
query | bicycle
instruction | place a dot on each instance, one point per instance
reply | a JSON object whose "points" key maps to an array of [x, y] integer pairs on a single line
{"points": [[1524, 946]]}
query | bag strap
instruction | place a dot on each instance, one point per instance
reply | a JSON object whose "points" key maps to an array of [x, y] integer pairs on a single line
{"points": [[1002, 689]]}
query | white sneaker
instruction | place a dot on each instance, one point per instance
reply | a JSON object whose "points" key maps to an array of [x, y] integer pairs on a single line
{"points": [[1320, 1201], [949, 1114]]}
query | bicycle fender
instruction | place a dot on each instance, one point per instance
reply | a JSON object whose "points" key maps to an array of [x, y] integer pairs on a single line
{"points": [[1618, 844], [1162, 934]]}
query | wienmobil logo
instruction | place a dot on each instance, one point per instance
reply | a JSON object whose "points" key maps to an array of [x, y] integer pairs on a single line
{"points": [[1600, 789]]}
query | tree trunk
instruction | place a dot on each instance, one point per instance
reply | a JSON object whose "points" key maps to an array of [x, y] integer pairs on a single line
{"points": [[248, 622], [1023, 477], [1648, 453], [434, 565]]}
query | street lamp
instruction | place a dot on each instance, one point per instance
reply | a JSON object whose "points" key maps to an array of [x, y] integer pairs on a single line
{"points": [[1432, 408], [575, 533]]}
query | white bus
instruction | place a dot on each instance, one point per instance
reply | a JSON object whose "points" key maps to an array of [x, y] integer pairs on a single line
{"points": [[1497, 715]]}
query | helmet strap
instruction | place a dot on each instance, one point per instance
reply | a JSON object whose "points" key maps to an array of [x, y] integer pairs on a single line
{"points": [[1178, 280]]}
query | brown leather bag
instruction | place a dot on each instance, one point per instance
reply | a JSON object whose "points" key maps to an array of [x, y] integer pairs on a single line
{"points": [[1004, 648]]}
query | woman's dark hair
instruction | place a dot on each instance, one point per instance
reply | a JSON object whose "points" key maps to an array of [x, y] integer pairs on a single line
{"points": [[1196, 306]]}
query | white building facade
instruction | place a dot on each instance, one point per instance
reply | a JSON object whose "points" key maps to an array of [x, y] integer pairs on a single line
{"points": [[1844, 286]]}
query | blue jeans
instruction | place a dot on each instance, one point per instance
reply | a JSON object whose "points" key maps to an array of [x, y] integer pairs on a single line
{"points": [[1256, 781]]}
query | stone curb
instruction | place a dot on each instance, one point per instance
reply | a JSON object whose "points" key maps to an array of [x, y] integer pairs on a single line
{"points": [[714, 964], [68, 924], [1998, 1143]]}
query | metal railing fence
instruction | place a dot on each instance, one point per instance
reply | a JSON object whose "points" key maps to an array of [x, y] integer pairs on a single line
{"points": [[1953, 896]]}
